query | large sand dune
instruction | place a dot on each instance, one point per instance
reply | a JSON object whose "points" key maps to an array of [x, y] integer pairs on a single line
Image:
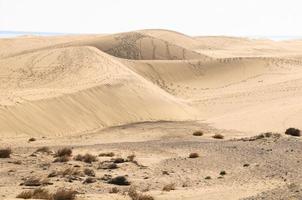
{"points": [[145, 92]]}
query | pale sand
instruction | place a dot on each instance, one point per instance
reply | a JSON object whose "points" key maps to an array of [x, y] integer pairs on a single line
{"points": [[129, 92]]}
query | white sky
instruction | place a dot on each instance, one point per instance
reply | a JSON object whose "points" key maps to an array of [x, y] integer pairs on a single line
{"points": [[193, 17]]}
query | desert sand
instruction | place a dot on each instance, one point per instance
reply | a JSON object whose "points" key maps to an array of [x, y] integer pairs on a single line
{"points": [[145, 93]]}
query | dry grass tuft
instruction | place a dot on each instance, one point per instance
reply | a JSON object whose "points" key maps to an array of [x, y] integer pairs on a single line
{"points": [[193, 155], [5, 153], [35, 181], [87, 158], [64, 152], [134, 195], [198, 133], [218, 136], [35, 194], [89, 172], [169, 187]]}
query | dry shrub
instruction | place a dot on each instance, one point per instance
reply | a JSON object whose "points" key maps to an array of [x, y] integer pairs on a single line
{"points": [[169, 187], [64, 194], [131, 158], [87, 158], [89, 172], [72, 171], [35, 181], [198, 133], [109, 154], [5, 153], [193, 155], [64, 152], [218, 136], [119, 180], [293, 132], [35, 194], [134, 195]]}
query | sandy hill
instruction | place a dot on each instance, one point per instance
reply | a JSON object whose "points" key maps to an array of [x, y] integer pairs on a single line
{"points": [[96, 81]]}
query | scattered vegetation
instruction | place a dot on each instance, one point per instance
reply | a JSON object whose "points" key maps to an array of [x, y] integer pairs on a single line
{"points": [[87, 158], [193, 155], [169, 187], [198, 133], [5, 153], [293, 132], [134, 195], [218, 136], [119, 180]]}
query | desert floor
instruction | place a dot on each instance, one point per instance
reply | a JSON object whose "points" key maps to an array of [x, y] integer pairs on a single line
{"points": [[140, 96]]}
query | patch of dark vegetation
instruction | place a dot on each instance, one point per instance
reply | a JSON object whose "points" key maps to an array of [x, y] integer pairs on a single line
{"points": [[5, 153], [293, 132], [169, 187], [109, 154], [32, 139], [198, 133], [218, 136], [193, 155], [119, 180], [134, 195]]}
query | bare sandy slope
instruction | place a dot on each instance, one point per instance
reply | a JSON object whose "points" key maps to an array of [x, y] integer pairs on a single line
{"points": [[145, 92]]}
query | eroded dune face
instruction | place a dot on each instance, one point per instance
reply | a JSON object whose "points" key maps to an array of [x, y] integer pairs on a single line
{"points": [[78, 84]]}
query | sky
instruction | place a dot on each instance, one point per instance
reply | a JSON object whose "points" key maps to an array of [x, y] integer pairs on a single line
{"points": [[192, 17]]}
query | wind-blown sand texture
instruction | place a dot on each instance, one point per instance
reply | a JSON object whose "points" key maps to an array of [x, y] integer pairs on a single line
{"points": [[146, 92]]}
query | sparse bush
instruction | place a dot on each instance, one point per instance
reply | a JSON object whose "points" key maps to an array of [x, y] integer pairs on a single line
{"points": [[218, 136], [88, 158], [107, 165], [109, 154], [64, 152], [293, 132], [119, 180], [193, 155], [64, 194], [198, 133], [89, 172], [35, 181], [5, 153], [72, 171], [222, 173], [169, 187], [134, 195], [32, 139]]}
